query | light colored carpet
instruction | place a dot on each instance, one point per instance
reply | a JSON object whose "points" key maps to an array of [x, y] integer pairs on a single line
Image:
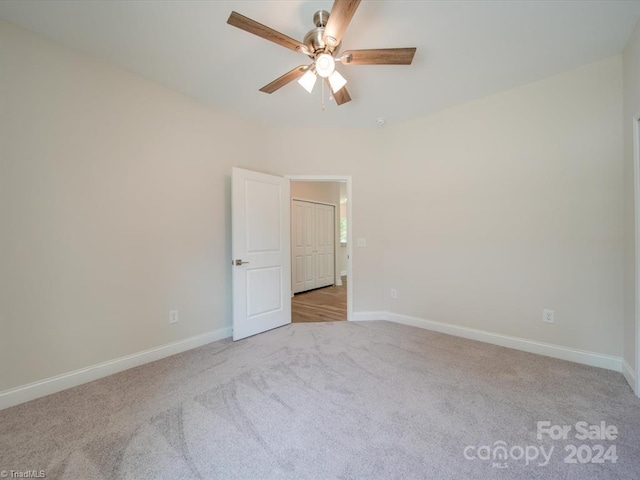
{"points": [[322, 401]]}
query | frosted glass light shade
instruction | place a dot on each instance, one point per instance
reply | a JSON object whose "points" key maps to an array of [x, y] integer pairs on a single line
{"points": [[325, 65], [336, 81], [308, 80]]}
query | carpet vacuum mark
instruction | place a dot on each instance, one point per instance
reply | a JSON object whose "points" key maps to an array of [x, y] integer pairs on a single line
{"points": [[334, 400]]}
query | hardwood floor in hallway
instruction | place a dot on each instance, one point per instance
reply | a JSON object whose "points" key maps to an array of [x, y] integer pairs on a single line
{"points": [[328, 304]]}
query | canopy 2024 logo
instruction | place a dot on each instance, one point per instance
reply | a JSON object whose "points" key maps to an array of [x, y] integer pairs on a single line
{"points": [[586, 452], [500, 453]]}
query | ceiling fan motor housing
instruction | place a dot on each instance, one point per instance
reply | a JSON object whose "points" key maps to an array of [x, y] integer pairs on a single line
{"points": [[314, 37]]}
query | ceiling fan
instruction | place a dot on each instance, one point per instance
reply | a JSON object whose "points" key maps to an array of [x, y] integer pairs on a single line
{"points": [[322, 45]]}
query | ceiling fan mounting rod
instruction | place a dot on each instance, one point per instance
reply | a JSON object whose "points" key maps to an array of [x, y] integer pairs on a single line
{"points": [[320, 18]]}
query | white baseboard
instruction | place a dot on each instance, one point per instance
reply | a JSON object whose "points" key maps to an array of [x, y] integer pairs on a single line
{"points": [[55, 384], [38, 389], [343, 273], [364, 316], [547, 349], [630, 375]]}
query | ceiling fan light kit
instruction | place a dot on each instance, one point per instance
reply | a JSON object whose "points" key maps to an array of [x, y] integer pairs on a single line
{"points": [[321, 44], [308, 80], [325, 65], [336, 81]]}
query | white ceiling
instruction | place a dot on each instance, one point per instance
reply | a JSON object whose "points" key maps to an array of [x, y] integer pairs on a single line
{"points": [[466, 49]]}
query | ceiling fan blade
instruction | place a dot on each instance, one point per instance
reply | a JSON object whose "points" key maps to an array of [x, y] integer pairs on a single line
{"points": [[339, 18], [251, 26], [341, 96], [285, 79], [379, 56]]}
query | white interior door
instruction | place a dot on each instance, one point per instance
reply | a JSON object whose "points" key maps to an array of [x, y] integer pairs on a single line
{"points": [[261, 272]]}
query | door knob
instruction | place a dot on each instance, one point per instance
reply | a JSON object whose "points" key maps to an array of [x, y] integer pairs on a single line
{"points": [[238, 262]]}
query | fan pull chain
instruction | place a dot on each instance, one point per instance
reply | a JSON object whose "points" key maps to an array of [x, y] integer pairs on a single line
{"points": [[322, 107]]}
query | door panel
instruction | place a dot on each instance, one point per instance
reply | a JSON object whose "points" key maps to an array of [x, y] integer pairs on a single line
{"points": [[263, 217], [302, 249], [310, 275], [261, 241], [298, 274], [264, 291], [324, 245], [298, 246]]}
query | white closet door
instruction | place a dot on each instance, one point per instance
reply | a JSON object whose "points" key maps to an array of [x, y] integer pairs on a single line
{"points": [[297, 246], [324, 245], [312, 245], [302, 248], [309, 248]]}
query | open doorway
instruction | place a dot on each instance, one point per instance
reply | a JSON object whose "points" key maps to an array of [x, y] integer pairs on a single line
{"points": [[320, 249]]}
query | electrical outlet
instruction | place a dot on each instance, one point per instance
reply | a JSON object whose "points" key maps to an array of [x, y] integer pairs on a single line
{"points": [[548, 316], [173, 316], [361, 242], [394, 293]]}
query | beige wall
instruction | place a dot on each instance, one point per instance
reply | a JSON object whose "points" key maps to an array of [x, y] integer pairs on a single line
{"points": [[114, 206], [323, 192], [354, 152], [631, 60], [502, 207], [115, 209]]}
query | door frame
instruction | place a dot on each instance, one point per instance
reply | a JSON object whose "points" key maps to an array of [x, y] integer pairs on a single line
{"points": [[636, 193], [346, 179]]}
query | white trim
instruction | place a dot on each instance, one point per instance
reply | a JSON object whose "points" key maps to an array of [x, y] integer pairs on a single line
{"points": [[366, 316], [320, 178], [547, 349], [328, 204], [25, 393], [636, 192], [343, 273], [347, 180], [38, 389], [629, 374]]}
